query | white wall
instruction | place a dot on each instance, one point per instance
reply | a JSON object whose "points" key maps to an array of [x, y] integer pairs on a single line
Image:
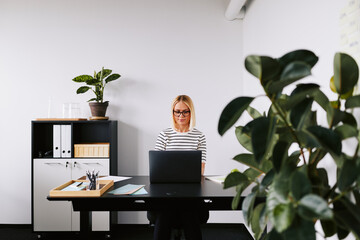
{"points": [[161, 48]]}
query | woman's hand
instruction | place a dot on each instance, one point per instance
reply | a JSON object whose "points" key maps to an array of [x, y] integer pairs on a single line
{"points": [[202, 168]]}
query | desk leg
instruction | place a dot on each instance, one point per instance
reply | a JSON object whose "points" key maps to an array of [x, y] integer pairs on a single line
{"points": [[85, 224]]}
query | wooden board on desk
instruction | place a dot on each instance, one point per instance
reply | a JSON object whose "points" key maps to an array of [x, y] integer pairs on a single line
{"points": [[61, 119], [104, 185]]}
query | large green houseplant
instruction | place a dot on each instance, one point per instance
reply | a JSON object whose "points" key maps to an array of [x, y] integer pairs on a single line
{"points": [[286, 144], [96, 84]]}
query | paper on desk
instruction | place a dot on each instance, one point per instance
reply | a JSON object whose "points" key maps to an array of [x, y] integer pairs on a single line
{"points": [[115, 178], [127, 189], [218, 179], [141, 191]]}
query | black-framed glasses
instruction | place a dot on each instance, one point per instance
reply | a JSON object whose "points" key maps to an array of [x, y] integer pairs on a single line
{"points": [[184, 113]]}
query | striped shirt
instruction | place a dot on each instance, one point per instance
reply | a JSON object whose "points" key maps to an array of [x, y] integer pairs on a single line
{"points": [[169, 139]]}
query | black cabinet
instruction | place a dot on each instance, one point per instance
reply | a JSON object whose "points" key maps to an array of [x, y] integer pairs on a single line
{"points": [[49, 171]]}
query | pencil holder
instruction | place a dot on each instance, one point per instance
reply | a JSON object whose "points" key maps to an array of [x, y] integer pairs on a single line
{"points": [[93, 180]]}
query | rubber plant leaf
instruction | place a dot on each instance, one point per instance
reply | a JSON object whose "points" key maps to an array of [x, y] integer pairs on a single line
{"points": [[299, 55], [291, 73], [232, 112], [353, 102], [244, 138], [346, 73], [328, 139], [264, 68]]}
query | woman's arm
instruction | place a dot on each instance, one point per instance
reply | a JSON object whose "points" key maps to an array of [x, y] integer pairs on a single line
{"points": [[202, 148], [160, 144]]}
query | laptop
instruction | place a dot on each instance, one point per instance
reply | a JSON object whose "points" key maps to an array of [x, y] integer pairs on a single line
{"points": [[175, 166]]}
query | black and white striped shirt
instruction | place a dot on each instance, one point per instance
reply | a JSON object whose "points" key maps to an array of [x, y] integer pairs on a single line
{"points": [[169, 139]]}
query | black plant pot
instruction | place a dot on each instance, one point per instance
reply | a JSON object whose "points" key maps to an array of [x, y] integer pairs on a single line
{"points": [[98, 109]]}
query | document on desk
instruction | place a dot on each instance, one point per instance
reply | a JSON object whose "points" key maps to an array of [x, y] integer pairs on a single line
{"points": [[128, 189], [115, 178], [218, 179]]}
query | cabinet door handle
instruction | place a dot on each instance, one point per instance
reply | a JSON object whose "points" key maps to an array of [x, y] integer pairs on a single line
{"points": [[67, 163], [92, 163], [52, 163], [75, 164]]}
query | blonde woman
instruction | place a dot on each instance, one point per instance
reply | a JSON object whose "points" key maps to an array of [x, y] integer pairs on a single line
{"points": [[182, 135]]}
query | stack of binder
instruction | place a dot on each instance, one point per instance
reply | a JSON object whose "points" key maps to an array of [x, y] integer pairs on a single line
{"points": [[62, 141]]}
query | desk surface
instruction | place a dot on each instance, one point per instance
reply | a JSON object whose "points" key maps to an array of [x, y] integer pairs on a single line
{"points": [[205, 189], [208, 191]]}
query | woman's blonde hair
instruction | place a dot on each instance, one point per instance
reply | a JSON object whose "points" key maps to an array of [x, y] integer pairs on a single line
{"points": [[188, 102]]}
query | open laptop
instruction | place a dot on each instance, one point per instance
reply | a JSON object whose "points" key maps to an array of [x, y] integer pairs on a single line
{"points": [[175, 166]]}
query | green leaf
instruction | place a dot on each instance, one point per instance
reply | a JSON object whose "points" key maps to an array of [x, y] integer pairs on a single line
{"points": [[300, 185], [346, 131], [105, 73], [92, 99], [328, 139], [300, 113], [83, 89], [353, 102], [232, 113], [252, 174], [299, 55], [93, 82], [247, 159], [262, 67], [347, 215], [112, 77], [300, 93], [236, 200], [280, 153], [348, 174], [261, 137], [253, 112], [244, 138], [340, 116], [329, 227], [283, 216], [235, 178], [279, 209], [82, 78], [268, 179], [292, 72], [258, 220], [247, 207], [300, 230], [311, 207], [346, 73]]}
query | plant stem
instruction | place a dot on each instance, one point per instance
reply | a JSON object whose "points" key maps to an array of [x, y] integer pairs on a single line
{"points": [[288, 126]]}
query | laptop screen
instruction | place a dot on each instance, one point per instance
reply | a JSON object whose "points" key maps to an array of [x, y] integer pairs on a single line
{"points": [[175, 166]]}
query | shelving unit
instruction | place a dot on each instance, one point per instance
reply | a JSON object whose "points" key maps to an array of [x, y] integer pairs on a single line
{"points": [[49, 172]]}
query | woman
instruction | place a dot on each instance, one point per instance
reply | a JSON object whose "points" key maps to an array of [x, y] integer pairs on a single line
{"points": [[181, 136]]}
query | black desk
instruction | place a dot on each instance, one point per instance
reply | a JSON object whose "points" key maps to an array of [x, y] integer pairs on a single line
{"points": [[211, 196]]}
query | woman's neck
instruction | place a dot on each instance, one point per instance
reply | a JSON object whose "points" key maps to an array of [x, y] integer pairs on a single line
{"points": [[182, 128]]}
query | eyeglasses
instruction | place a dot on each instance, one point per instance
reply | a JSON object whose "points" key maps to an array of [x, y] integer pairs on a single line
{"points": [[184, 113]]}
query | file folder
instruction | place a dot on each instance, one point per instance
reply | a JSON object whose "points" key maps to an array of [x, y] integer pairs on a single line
{"points": [[65, 141], [56, 141]]}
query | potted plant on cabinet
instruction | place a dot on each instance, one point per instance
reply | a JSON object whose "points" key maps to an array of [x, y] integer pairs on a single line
{"points": [[97, 84], [286, 145]]}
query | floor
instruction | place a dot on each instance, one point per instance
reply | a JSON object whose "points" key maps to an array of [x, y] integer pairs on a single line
{"points": [[125, 232]]}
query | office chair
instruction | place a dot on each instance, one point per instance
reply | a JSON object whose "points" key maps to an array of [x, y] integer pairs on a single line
{"points": [[177, 232]]}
